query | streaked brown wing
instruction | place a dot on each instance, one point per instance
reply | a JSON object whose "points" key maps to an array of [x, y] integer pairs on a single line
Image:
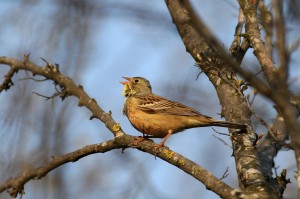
{"points": [[155, 104]]}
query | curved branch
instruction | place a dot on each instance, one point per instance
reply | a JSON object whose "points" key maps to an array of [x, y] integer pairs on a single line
{"points": [[121, 139], [69, 88], [15, 185]]}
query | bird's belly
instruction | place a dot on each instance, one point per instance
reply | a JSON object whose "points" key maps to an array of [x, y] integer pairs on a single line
{"points": [[154, 124]]}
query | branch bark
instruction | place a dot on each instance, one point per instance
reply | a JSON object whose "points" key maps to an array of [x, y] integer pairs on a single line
{"points": [[277, 78], [204, 47], [15, 185], [121, 140]]}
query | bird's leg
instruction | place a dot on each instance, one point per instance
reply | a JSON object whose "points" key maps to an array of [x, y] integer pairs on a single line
{"points": [[164, 140]]}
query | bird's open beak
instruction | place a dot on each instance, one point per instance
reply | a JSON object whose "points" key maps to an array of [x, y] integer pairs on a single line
{"points": [[125, 82]]}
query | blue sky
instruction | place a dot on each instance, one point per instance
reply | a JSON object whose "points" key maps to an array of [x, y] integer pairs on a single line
{"points": [[125, 45]]}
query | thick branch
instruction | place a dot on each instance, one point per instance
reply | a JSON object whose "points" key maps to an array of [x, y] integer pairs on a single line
{"points": [[267, 23], [203, 46], [16, 185], [270, 147], [280, 34], [254, 37], [276, 78], [69, 88]]}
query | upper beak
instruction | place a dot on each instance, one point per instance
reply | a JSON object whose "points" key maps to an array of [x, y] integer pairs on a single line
{"points": [[125, 82]]}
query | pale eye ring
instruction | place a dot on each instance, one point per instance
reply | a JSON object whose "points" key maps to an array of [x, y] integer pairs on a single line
{"points": [[136, 81]]}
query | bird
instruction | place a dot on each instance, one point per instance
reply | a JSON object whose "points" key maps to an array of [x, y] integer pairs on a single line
{"points": [[158, 117]]}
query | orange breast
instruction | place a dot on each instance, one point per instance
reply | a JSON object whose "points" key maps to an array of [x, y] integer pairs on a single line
{"points": [[146, 123]]}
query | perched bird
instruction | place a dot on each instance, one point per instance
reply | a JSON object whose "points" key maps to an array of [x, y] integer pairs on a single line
{"points": [[159, 117]]}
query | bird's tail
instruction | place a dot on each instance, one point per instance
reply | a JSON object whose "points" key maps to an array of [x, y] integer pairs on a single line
{"points": [[228, 124]]}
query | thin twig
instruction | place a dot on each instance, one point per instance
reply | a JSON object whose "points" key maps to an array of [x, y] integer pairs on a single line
{"points": [[48, 97], [225, 174], [34, 79], [223, 141]]}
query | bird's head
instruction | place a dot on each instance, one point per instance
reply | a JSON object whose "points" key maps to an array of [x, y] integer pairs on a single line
{"points": [[136, 86]]}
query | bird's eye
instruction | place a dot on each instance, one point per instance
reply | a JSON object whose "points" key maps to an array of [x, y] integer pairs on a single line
{"points": [[136, 81]]}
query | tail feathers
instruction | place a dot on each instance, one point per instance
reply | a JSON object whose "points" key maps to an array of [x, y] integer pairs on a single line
{"points": [[228, 125]]}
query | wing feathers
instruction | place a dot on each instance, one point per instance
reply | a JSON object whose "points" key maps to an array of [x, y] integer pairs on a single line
{"points": [[155, 104]]}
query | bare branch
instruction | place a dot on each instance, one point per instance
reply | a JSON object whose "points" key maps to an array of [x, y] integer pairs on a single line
{"points": [[267, 23], [48, 97], [280, 93], [269, 148], [254, 37], [223, 141], [34, 79], [121, 140], [280, 41], [7, 83], [235, 49], [15, 185], [225, 174], [199, 41], [69, 88]]}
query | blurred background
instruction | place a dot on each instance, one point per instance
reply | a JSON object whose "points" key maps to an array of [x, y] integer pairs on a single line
{"points": [[96, 43]]}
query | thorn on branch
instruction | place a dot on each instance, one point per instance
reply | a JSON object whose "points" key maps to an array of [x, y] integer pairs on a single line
{"points": [[51, 67], [57, 67], [26, 58], [80, 87]]}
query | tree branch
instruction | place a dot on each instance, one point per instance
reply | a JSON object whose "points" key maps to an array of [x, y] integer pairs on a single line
{"points": [[270, 147], [280, 35], [254, 37], [276, 78], [121, 140], [15, 185], [204, 46], [69, 88]]}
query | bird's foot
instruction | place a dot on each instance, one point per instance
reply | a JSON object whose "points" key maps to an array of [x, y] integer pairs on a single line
{"points": [[137, 140], [157, 147]]}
